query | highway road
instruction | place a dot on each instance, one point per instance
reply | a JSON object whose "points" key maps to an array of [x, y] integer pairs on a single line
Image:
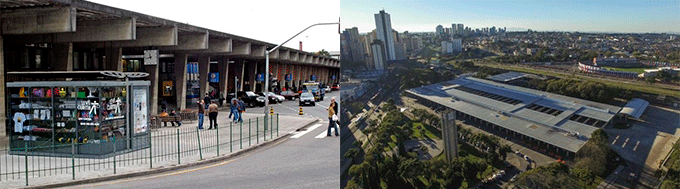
{"points": [[306, 159]]}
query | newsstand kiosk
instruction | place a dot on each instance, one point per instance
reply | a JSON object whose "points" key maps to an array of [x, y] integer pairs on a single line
{"points": [[87, 119]]}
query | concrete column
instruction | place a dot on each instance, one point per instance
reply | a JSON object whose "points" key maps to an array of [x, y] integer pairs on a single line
{"points": [[203, 74], [180, 80], [63, 56], [113, 59], [3, 104], [299, 76], [241, 71], [252, 73], [153, 88], [223, 67]]}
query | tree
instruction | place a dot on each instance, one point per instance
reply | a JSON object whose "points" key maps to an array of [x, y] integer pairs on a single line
{"points": [[323, 52]]}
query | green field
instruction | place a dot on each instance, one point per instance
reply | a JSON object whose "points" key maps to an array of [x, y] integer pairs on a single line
{"points": [[637, 69]]}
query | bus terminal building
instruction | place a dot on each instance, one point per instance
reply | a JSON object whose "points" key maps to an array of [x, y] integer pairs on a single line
{"points": [[555, 125], [40, 37]]}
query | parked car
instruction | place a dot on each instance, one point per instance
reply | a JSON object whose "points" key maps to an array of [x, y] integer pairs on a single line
{"points": [[290, 95], [327, 88], [252, 99], [307, 98], [279, 98], [335, 87]]}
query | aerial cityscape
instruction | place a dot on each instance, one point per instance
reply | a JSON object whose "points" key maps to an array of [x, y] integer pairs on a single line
{"points": [[507, 105]]}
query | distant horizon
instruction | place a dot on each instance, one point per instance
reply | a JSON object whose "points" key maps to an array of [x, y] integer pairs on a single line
{"points": [[518, 15]]}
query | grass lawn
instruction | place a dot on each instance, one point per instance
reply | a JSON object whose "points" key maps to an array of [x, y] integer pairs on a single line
{"points": [[637, 69], [428, 132], [644, 88]]}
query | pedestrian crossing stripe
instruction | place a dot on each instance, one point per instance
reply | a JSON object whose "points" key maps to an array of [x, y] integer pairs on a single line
{"points": [[310, 129]]}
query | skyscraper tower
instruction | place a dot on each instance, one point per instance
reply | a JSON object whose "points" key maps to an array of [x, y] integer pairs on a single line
{"points": [[383, 26]]}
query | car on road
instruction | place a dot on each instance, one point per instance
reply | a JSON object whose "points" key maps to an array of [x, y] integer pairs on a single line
{"points": [[279, 98], [307, 98], [251, 99], [272, 98], [335, 87], [290, 95]]}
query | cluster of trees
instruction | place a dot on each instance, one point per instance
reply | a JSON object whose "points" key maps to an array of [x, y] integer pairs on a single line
{"points": [[594, 91], [484, 72], [426, 117], [402, 169], [592, 161], [416, 77], [495, 152]]}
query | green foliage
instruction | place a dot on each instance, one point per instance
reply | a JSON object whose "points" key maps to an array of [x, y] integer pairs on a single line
{"points": [[554, 175], [351, 153], [668, 184], [594, 91]]}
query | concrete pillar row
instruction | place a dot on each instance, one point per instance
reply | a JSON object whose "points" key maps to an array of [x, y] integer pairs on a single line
{"points": [[114, 59], [63, 56], [203, 74], [252, 74], [180, 80], [223, 67], [153, 88]]}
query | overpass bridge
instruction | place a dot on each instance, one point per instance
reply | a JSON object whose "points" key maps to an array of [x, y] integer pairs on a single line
{"points": [[77, 35]]}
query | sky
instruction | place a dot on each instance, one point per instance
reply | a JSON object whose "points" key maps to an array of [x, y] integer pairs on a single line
{"points": [[624, 16], [271, 21]]}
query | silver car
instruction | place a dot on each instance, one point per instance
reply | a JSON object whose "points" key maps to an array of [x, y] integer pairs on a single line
{"points": [[307, 98]]}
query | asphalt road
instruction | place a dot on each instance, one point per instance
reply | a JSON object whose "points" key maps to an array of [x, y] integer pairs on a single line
{"points": [[306, 159]]}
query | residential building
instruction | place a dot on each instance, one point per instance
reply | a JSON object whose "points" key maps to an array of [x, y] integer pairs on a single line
{"points": [[383, 26]]}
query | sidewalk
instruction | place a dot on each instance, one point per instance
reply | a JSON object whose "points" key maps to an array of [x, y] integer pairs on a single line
{"points": [[172, 148]]}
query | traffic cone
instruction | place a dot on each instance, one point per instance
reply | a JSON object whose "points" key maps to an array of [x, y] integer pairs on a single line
{"points": [[301, 111], [271, 110]]}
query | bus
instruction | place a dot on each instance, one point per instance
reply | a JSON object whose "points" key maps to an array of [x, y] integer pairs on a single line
{"points": [[313, 87]]}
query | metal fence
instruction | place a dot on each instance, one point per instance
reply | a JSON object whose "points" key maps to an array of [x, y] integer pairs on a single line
{"points": [[167, 147]]}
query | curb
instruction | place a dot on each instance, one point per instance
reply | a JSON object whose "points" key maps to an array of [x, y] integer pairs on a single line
{"points": [[172, 168]]}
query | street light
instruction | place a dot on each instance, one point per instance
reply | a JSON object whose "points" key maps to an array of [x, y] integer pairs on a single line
{"points": [[266, 67]]}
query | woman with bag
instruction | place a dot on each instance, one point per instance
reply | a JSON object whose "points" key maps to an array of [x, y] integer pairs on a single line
{"points": [[332, 118]]}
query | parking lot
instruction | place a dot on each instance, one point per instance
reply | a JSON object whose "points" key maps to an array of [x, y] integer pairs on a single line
{"points": [[646, 143]]}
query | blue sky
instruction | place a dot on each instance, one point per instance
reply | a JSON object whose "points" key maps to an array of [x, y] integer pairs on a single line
{"points": [[542, 15]]}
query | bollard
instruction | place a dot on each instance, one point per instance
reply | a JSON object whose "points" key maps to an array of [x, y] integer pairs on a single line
{"points": [[179, 155], [200, 151], [271, 130], [301, 113], [277, 125], [271, 110], [230, 139], [257, 130]]}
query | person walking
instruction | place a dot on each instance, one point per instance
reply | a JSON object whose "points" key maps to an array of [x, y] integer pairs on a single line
{"points": [[332, 108], [201, 113], [212, 114], [207, 100], [234, 109]]}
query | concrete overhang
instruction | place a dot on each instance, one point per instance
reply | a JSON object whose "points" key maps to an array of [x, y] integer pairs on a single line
{"points": [[284, 54], [293, 56], [274, 54], [41, 20], [240, 48], [190, 41], [151, 36], [258, 50]]}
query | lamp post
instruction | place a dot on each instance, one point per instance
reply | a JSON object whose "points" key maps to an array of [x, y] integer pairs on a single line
{"points": [[266, 67]]}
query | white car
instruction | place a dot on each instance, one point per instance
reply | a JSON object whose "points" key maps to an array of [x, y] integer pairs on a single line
{"points": [[279, 98], [328, 89], [306, 98]]}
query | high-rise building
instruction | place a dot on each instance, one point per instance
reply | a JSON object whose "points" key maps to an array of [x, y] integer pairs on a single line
{"points": [[352, 48], [454, 29], [454, 45], [378, 54], [439, 30], [383, 26], [460, 29]]}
